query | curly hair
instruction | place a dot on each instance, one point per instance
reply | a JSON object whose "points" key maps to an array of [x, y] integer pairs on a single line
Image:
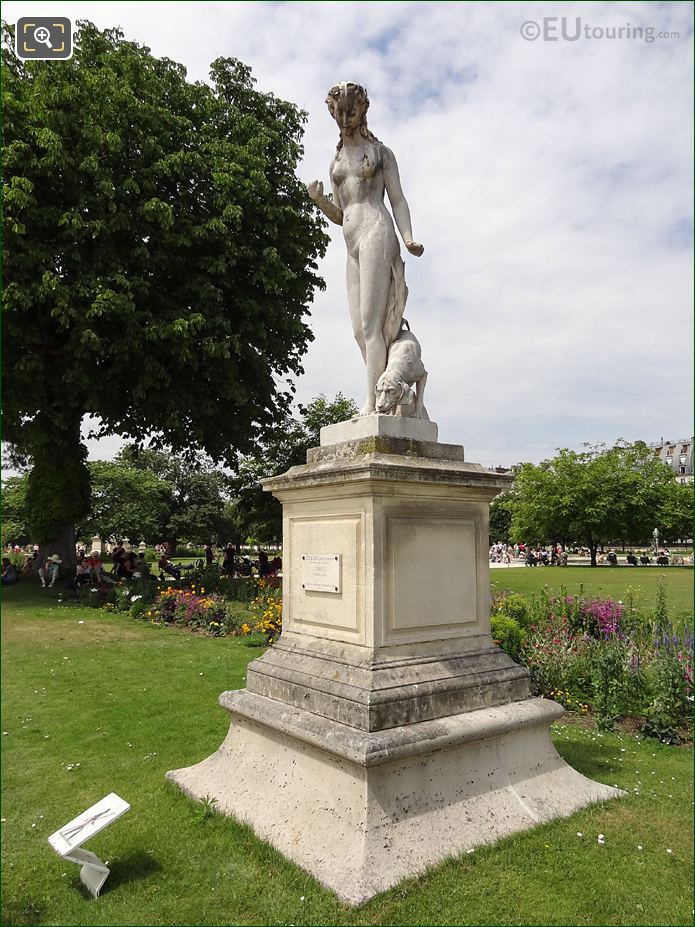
{"points": [[340, 92]]}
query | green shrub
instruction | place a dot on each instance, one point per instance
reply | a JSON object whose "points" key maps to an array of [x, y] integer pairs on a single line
{"points": [[233, 620], [671, 678], [238, 588], [607, 665], [508, 633], [516, 606], [17, 559], [137, 609], [660, 606], [558, 659], [195, 553]]}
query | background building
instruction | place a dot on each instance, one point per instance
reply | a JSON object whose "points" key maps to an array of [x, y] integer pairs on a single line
{"points": [[678, 455]]}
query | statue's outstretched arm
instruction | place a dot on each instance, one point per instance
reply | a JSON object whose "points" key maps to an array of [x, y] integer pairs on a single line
{"points": [[401, 213], [329, 208]]}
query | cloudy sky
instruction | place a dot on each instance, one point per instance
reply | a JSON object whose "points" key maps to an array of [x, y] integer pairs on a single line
{"points": [[549, 179]]}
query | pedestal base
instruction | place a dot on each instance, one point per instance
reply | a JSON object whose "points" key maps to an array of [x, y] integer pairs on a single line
{"points": [[362, 810]]}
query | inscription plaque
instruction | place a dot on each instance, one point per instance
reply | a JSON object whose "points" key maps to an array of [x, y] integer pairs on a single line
{"points": [[321, 572]]}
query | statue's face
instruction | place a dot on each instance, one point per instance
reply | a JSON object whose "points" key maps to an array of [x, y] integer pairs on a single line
{"points": [[347, 105], [349, 115]]}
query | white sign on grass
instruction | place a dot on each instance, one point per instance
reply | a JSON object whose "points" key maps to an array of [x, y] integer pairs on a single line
{"points": [[68, 839]]}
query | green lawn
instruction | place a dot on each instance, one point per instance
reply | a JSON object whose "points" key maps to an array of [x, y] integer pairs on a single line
{"points": [[611, 582], [128, 701]]}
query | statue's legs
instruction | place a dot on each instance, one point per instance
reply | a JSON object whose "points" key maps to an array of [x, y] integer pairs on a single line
{"points": [[353, 294], [376, 255]]}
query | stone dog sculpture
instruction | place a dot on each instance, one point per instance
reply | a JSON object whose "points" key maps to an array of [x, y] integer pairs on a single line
{"points": [[361, 171], [404, 368]]}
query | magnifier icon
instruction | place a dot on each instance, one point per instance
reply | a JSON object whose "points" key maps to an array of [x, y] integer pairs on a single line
{"points": [[42, 34]]}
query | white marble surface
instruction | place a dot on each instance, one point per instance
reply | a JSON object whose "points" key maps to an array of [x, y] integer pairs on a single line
{"points": [[362, 170], [376, 426]]}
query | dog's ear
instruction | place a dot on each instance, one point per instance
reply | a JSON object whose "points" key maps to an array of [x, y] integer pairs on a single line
{"points": [[406, 392]]}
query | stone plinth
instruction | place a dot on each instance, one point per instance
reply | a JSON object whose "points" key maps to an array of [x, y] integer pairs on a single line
{"points": [[380, 426], [385, 730]]}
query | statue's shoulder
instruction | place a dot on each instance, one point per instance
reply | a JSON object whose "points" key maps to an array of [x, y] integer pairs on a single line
{"points": [[385, 153]]}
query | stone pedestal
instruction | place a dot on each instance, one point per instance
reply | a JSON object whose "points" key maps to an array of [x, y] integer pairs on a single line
{"points": [[385, 731]]}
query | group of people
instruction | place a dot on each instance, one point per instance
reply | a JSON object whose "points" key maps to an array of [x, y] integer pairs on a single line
{"points": [[551, 555], [127, 564], [243, 566], [556, 555], [130, 564]]}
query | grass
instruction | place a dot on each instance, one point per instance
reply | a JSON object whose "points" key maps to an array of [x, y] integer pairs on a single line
{"points": [[610, 582], [128, 701]]}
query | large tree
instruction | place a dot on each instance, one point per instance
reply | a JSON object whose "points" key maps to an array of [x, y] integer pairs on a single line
{"points": [[195, 507], [159, 261], [125, 503], [593, 497], [257, 513]]}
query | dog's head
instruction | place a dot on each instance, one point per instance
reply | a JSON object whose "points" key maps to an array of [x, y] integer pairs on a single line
{"points": [[391, 393]]}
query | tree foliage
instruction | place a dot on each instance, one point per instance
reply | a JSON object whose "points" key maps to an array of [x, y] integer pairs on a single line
{"points": [[160, 257], [500, 519], [195, 503], [257, 514], [15, 521], [126, 503], [594, 496]]}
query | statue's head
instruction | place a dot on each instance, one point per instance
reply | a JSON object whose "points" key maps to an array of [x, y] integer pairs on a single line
{"points": [[348, 104]]}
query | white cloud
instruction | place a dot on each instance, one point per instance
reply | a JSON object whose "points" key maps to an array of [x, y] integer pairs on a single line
{"points": [[550, 183]]}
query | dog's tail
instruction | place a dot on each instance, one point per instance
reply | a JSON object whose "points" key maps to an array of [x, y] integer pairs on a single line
{"points": [[404, 324]]}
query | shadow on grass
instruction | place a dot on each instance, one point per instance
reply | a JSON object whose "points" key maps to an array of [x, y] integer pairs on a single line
{"points": [[133, 868], [593, 760]]}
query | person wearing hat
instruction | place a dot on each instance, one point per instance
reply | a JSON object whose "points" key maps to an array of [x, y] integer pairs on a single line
{"points": [[50, 570]]}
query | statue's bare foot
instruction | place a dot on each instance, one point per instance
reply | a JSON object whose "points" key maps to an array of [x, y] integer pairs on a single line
{"points": [[367, 410]]}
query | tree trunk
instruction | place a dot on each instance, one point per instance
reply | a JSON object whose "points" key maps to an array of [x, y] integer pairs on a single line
{"points": [[593, 548], [172, 544], [64, 546], [58, 487]]}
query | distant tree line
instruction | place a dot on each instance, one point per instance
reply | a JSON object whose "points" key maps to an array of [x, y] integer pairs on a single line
{"points": [[151, 495], [601, 495]]}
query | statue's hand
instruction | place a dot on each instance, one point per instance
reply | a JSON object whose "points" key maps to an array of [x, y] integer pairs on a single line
{"points": [[413, 247], [315, 189]]}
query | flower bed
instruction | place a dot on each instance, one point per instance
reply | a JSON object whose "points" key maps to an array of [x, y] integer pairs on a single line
{"points": [[189, 605], [615, 659]]}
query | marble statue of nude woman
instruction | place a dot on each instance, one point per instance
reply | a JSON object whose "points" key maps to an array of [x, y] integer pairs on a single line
{"points": [[360, 171]]}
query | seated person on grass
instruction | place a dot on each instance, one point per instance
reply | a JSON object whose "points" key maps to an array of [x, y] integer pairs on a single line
{"points": [[83, 573], [142, 568], [128, 566], [9, 572], [166, 566], [99, 574], [31, 563], [50, 570]]}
